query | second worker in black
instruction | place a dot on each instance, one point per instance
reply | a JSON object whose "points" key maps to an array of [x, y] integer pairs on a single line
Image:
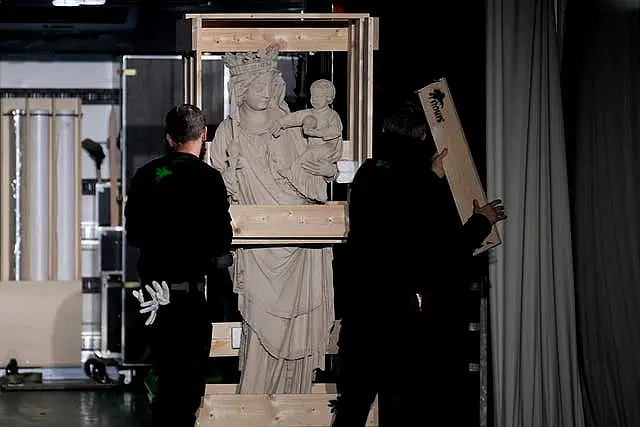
{"points": [[177, 214]]}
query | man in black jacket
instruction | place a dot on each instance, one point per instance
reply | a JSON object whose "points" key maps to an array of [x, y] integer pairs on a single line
{"points": [[410, 259], [177, 214]]}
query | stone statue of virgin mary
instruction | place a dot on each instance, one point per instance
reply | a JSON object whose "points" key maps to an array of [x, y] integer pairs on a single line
{"points": [[285, 294]]}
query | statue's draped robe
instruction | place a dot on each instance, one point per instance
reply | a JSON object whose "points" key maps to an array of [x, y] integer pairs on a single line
{"points": [[285, 294]]}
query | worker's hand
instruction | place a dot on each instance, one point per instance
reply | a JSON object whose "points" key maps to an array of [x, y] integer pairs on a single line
{"points": [[437, 165], [493, 211], [159, 296]]}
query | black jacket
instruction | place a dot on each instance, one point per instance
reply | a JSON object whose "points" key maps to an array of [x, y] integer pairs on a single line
{"points": [[177, 214], [405, 234]]}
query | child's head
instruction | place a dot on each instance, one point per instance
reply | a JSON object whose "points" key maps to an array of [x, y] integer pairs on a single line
{"points": [[322, 93]]}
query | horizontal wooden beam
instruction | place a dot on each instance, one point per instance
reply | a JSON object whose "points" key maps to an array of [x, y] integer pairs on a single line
{"points": [[325, 17], [216, 33], [289, 39], [215, 389], [285, 224], [222, 407], [225, 339]]}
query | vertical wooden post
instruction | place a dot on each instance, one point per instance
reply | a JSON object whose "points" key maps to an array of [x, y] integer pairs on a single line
{"points": [[366, 143], [353, 87], [195, 31]]}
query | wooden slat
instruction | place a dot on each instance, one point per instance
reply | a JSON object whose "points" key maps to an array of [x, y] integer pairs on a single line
{"points": [[289, 39], [222, 345], [198, 39], [221, 339], [347, 150], [214, 389], [286, 223], [369, 29], [287, 242], [460, 169], [353, 76], [294, 32], [222, 407], [278, 16]]}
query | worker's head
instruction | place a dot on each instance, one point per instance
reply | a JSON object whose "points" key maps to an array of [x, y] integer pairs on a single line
{"points": [[404, 130], [406, 117], [185, 128]]}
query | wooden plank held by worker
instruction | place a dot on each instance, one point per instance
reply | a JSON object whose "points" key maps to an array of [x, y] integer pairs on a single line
{"points": [[460, 169]]}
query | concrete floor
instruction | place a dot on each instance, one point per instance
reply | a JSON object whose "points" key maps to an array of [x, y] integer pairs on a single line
{"points": [[110, 408]]}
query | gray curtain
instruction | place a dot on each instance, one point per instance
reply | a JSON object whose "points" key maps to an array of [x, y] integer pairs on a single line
{"points": [[603, 96], [532, 297]]}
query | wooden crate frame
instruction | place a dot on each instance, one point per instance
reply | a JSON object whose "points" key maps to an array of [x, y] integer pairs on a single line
{"points": [[356, 34]]}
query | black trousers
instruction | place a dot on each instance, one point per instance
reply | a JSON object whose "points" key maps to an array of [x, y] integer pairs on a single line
{"points": [[180, 349], [426, 383]]}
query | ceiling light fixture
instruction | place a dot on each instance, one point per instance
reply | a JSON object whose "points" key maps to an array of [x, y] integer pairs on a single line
{"points": [[70, 3], [66, 3]]}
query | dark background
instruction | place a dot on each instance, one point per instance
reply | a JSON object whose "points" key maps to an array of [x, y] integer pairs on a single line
{"points": [[419, 41]]}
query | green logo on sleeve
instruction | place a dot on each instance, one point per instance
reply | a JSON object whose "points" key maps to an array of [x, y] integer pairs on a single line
{"points": [[162, 172]]}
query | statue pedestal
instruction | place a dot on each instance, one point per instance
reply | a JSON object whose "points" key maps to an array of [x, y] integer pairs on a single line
{"points": [[223, 408]]}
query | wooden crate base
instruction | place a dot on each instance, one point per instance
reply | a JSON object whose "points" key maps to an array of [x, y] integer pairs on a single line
{"points": [[223, 408]]}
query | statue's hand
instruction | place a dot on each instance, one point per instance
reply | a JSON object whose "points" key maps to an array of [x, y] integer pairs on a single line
{"points": [[276, 127], [313, 132], [319, 167]]}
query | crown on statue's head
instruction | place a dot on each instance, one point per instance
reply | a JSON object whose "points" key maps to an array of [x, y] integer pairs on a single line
{"points": [[250, 62]]}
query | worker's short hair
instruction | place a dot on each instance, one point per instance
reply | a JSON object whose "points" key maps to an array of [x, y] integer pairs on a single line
{"points": [[185, 123], [406, 118]]}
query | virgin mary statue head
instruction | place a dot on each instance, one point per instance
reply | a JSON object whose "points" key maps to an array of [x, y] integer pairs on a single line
{"points": [[256, 81]]}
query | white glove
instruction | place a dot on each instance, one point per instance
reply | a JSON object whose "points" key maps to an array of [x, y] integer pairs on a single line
{"points": [[159, 296]]}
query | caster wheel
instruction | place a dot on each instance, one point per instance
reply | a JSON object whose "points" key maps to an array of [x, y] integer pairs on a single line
{"points": [[96, 370]]}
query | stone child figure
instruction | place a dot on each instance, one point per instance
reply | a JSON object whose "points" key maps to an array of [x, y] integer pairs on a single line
{"points": [[323, 128], [285, 294]]}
